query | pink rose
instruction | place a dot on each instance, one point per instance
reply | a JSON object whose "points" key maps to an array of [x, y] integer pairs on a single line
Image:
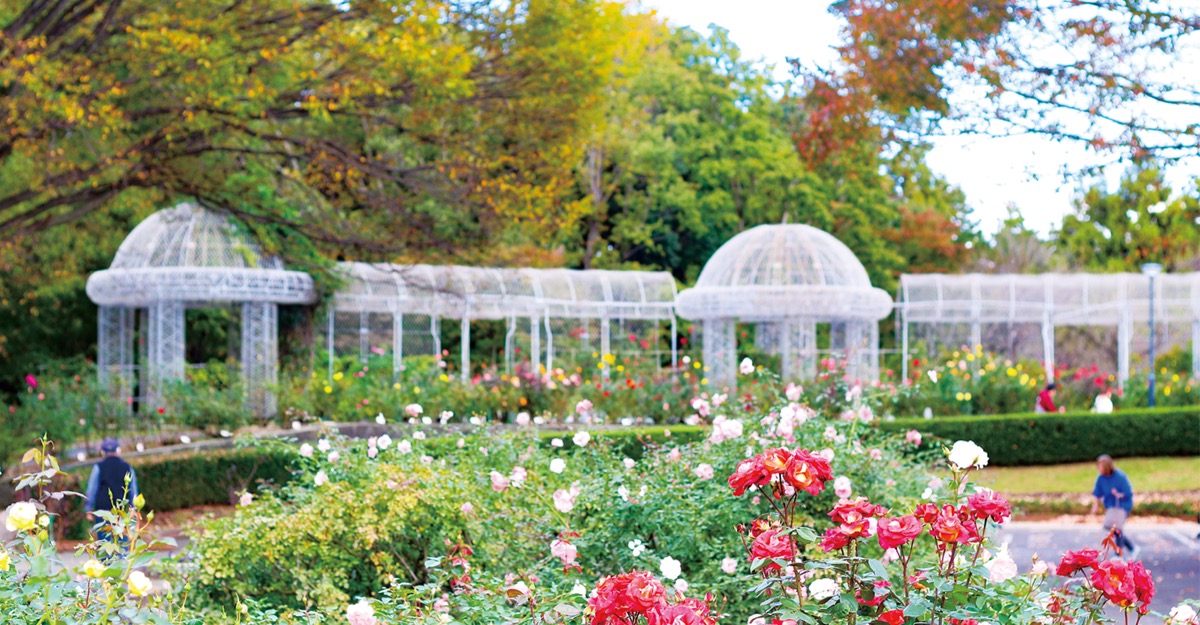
{"points": [[499, 482], [913, 437], [564, 551], [467, 508], [729, 565], [564, 501]]}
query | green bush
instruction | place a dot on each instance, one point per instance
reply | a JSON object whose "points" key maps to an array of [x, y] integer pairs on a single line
{"points": [[210, 477], [1038, 439]]}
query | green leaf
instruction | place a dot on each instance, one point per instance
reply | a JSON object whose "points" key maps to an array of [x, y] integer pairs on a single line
{"points": [[878, 569]]}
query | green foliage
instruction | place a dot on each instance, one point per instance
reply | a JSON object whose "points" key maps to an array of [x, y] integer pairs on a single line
{"points": [[1030, 439], [210, 477], [310, 545], [1143, 221]]}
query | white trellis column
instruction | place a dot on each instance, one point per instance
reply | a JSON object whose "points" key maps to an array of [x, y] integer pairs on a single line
{"points": [[464, 351], [260, 356], [1196, 347], [1124, 340], [1048, 346], [535, 345], [605, 345], [397, 345], [114, 357], [164, 344], [720, 352]]}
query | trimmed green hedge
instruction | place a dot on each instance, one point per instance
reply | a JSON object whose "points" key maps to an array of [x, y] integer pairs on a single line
{"points": [[1039, 439], [211, 477]]}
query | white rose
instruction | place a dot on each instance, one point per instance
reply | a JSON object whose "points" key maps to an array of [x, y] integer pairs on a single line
{"points": [[966, 454], [582, 438], [681, 585], [670, 568], [747, 366], [822, 589], [21, 516], [1182, 614], [384, 441], [558, 465], [320, 479], [323, 445], [1002, 567], [139, 584]]}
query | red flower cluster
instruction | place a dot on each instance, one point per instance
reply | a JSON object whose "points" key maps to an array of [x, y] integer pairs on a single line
{"points": [[1124, 583], [857, 519], [1073, 561], [895, 531], [621, 598], [801, 468], [772, 544], [989, 504], [949, 524]]}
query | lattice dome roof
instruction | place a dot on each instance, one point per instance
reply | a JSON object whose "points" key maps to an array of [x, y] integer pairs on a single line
{"points": [[780, 271], [193, 254]]}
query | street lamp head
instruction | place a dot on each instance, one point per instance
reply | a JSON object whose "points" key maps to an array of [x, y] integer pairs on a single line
{"points": [[1151, 269]]}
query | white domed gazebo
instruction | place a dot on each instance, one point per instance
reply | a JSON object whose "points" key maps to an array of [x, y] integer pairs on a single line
{"points": [[786, 278], [189, 257]]}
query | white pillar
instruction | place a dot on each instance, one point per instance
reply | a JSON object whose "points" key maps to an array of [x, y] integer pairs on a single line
{"points": [[465, 349], [1124, 340], [605, 345], [1048, 346], [720, 353], [397, 346], [165, 348], [260, 356], [114, 357], [535, 345]]}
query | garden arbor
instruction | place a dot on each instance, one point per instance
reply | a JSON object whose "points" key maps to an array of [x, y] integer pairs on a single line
{"points": [[189, 257], [787, 279], [1017, 314], [397, 310]]}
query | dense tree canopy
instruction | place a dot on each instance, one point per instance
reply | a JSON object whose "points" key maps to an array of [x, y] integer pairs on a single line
{"points": [[425, 125]]}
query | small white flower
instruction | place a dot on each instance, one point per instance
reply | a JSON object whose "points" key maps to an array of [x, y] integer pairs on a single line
{"points": [[245, 499], [522, 418], [140, 447], [462, 442], [558, 465], [623, 493], [822, 589], [323, 446], [475, 421], [557, 442], [842, 487], [334, 456], [380, 419], [629, 463], [296, 425], [1002, 567], [306, 450], [426, 421], [185, 439], [636, 547], [1182, 614], [579, 589], [404, 447], [681, 585], [419, 435], [81, 456], [627, 421], [747, 366], [966, 454], [729, 565], [582, 438], [384, 441], [320, 479], [539, 420], [670, 568]]}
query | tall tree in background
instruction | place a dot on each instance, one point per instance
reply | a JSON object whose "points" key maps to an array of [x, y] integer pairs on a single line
{"points": [[426, 125], [935, 233], [693, 151], [1092, 71], [1018, 249], [1143, 221]]}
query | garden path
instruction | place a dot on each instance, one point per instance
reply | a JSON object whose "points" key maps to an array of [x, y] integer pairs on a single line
{"points": [[1169, 548]]}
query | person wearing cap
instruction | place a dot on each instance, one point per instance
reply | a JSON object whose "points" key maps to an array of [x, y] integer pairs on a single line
{"points": [[106, 486], [1045, 400]]}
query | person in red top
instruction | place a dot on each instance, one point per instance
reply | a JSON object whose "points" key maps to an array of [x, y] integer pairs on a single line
{"points": [[1045, 400]]}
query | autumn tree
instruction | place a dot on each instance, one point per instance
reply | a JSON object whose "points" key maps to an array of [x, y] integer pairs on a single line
{"points": [[377, 126], [1105, 73]]}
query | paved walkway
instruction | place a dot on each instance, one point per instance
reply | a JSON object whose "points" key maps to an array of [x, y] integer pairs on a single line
{"points": [[1168, 548]]}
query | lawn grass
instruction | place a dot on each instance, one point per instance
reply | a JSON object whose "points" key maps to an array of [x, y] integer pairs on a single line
{"points": [[1146, 474]]}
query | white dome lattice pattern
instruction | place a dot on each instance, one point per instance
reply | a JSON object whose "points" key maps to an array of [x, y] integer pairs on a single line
{"points": [[189, 257], [787, 278]]}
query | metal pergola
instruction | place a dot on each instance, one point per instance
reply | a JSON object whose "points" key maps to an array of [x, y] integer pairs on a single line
{"points": [[1000, 311]]}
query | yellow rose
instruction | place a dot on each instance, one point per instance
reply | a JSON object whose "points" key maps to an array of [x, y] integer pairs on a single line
{"points": [[5, 560], [139, 584], [21, 517], [93, 569]]}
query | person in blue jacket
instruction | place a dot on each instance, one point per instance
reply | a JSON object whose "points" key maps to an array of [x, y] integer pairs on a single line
{"points": [[1115, 493], [112, 483]]}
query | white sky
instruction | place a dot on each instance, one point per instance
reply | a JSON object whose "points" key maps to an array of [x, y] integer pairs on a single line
{"points": [[994, 173]]}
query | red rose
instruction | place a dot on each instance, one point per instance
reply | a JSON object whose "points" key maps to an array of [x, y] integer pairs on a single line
{"points": [[893, 617], [894, 532], [645, 591], [772, 545], [749, 472], [1115, 579], [989, 504], [834, 539], [950, 529], [927, 512], [1077, 560], [1144, 586], [677, 614], [776, 460], [808, 472], [848, 512]]}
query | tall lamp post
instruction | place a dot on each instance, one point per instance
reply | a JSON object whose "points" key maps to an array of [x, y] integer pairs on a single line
{"points": [[1150, 270]]}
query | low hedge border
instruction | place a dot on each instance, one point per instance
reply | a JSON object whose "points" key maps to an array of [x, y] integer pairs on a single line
{"points": [[1044, 439], [1175, 504]]}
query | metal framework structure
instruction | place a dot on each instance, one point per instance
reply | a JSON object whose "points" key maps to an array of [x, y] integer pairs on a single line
{"points": [[1018, 314], [189, 257], [398, 309], [786, 279]]}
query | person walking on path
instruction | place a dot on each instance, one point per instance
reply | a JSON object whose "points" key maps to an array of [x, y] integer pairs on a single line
{"points": [[1045, 400], [1115, 493], [112, 482]]}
